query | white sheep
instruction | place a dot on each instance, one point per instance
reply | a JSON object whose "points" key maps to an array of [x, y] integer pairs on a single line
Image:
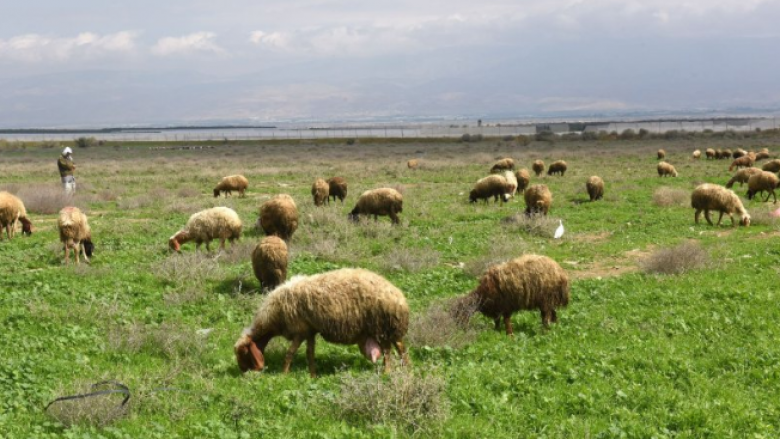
{"points": [[220, 223], [763, 181], [12, 211], [379, 202], [75, 233], [707, 197]]}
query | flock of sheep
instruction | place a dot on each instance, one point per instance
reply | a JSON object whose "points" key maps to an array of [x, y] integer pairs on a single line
{"points": [[358, 307]]}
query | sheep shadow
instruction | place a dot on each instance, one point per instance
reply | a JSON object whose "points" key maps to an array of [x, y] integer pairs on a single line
{"points": [[238, 285]]}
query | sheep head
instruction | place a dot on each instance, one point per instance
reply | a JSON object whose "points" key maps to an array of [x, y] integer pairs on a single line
{"points": [[89, 247], [248, 355], [27, 227], [216, 193], [745, 220], [354, 216], [175, 242], [473, 196]]}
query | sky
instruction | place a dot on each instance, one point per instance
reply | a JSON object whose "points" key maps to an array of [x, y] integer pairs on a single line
{"points": [[95, 63]]}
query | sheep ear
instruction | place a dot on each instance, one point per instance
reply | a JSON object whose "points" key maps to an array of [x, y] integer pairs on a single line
{"points": [[249, 356], [257, 356]]}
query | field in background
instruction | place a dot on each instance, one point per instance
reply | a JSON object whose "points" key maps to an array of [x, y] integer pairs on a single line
{"points": [[635, 354]]}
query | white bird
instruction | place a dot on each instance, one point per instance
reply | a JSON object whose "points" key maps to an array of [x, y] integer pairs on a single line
{"points": [[559, 230]]}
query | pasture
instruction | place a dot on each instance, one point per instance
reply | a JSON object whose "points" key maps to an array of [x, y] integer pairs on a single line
{"points": [[635, 354]]}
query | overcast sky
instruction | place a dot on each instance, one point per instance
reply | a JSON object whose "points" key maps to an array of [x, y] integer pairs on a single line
{"points": [[109, 62]]}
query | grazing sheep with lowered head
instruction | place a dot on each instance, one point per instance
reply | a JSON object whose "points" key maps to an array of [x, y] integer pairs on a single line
{"points": [[494, 186], [12, 211], [504, 164], [697, 154], [413, 164], [220, 223], [269, 262], [725, 154], [75, 233], [538, 199], [279, 216], [595, 187], [661, 154], [744, 161], [666, 169], [337, 188], [742, 176], [707, 197], [346, 306], [231, 183], [525, 283], [711, 154], [523, 178], [771, 166], [511, 180], [739, 152], [538, 167], [320, 191], [763, 182], [762, 155], [379, 202], [558, 167]]}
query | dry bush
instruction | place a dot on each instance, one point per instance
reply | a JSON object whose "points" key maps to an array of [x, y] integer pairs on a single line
{"points": [[764, 218], [500, 251], [410, 259], [188, 192], [405, 398], [11, 187], [676, 260], [534, 225], [96, 411], [236, 253], [134, 203], [48, 199], [671, 197], [438, 326], [169, 340], [187, 268]]}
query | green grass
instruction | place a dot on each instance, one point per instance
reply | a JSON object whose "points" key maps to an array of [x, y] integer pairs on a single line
{"points": [[634, 354]]}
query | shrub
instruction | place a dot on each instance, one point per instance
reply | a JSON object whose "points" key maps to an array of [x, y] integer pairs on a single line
{"points": [[410, 260], [466, 137], [187, 268], [85, 142], [676, 260], [438, 327], [47, 199], [535, 225], [628, 134], [524, 140], [669, 197], [95, 411]]}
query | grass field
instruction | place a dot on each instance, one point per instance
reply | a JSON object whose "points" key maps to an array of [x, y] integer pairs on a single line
{"points": [[636, 354]]}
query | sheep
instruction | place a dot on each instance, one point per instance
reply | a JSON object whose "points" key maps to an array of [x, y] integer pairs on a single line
{"points": [[383, 201], [666, 169], [595, 187], [511, 180], [220, 223], [279, 216], [346, 306], [772, 166], [231, 183], [320, 192], [707, 197], [763, 182], [744, 161], [558, 167], [742, 176], [762, 155], [538, 167], [710, 153], [538, 199], [413, 164], [494, 186], [525, 283], [697, 154], [337, 188], [503, 165], [75, 233], [523, 178], [661, 154], [739, 152], [12, 211], [269, 262], [725, 154]]}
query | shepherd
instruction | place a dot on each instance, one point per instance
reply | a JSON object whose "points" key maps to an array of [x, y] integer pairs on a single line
{"points": [[66, 166]]}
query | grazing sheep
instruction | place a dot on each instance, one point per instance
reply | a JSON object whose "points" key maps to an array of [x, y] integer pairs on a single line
{"points": [[707, 197], [558, 167], [523, 178], [269, 262], [739, 152], [337, 188], [711, 154], [661, 154], [346, 306], [12, 211], [762, 155], [511, 180], [665, 169], [538, 199], [75, 233], [595, 187], [742, 176], [383, 201], [320, 192], [494, 186], [231, 183], [525, 283], [697, 154], [413, 164], [772, 166], [538, 167], [744, 161], [763, 182], [504, 164], [725, 154], [216, 223], [279, 216]]}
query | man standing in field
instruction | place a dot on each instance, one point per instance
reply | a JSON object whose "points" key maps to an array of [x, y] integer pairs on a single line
{"points": [[65, 163]]}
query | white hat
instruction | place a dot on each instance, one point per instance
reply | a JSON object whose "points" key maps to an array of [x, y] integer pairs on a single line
{"points": [[67, 151]]}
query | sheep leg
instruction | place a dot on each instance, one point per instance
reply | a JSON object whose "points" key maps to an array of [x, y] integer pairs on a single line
{"points": [[76, 250], [554, 316], [388, 358], [67, 253], [310, 355], [296, 343], [707, 216], [497, 322], [697, 215], [84, 251], [399, 346], [222, 244], [508, 326], [720, 217], [394, 217]]}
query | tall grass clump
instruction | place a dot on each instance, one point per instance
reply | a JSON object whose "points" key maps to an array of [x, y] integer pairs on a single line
{"points": [[187, 268], [671, 197], [438, 327], [46, 199], [676, 260], [534, 225], [92, 411], [411, 260]]}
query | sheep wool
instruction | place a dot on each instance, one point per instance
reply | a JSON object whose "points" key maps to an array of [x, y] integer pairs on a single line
{"points": [[771, 166], [12, 211], [337, 188], [379, 202], [494, 186], [538, 199], [661, 154], [666, 169], [538, 167], [320, 191], [347, 306], [762, 155], [523, 178], [504, 164], [279, 216], [707, 197], [511, 180], [269, 262], [595, 187], [710, 153], [739, 152], [763, 181], [525, 283], [744, 161], [742, 176], [220, 223], [413, 164], [237, 183], [558, 167], [75, 233], [697, 154]]}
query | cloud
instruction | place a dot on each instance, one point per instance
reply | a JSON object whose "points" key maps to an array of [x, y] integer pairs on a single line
{"points": [[36, 47], [272, 39], [192, 43]]}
